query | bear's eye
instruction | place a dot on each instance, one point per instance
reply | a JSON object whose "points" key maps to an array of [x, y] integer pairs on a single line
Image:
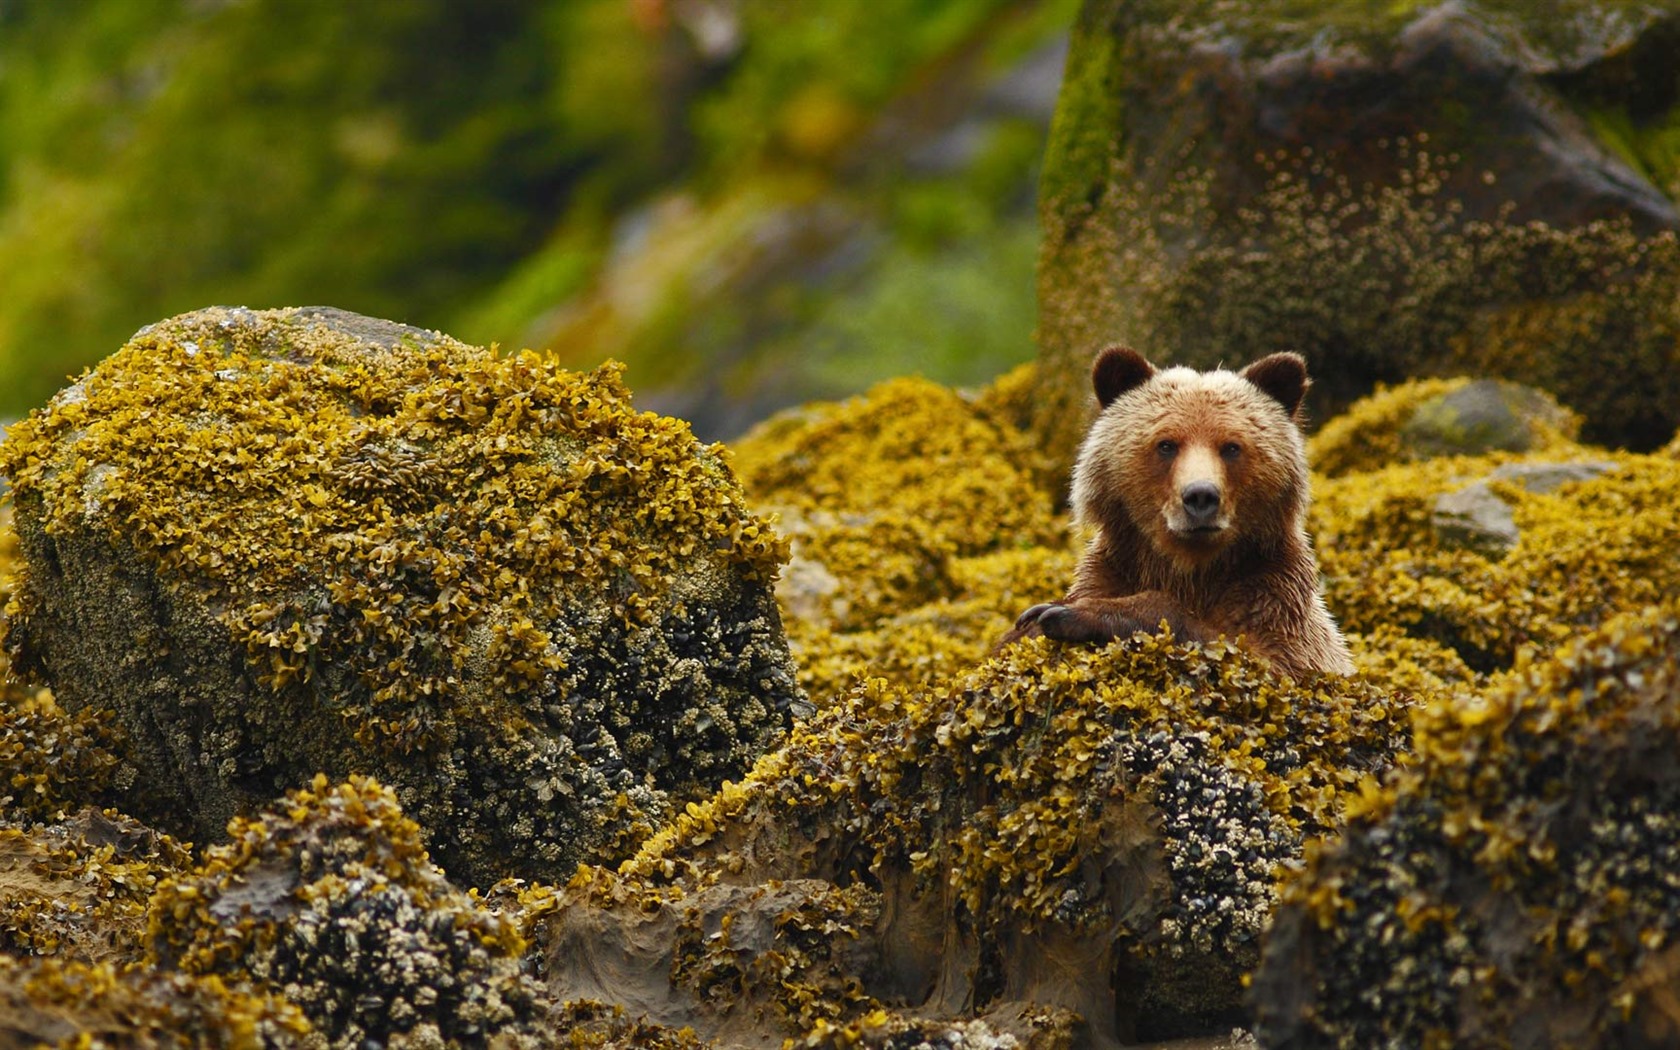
{"points": [[1167, 449], [1230, 450]]}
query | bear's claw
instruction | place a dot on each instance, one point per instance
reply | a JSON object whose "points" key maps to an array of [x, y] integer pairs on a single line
{"points": [[1067, 624], [1026, 619]]}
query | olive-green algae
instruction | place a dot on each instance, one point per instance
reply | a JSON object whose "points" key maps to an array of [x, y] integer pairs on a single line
{"points": [[78, 889], [909, 467], [1415, 420], [329, 898], [1586, 551], [81, 1006], [920, 518], [289, 541], [1514, 885], [1117, 816]]}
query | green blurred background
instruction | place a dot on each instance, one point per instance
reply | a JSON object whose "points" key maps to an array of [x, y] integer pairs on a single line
{"points": [[751, 202]]}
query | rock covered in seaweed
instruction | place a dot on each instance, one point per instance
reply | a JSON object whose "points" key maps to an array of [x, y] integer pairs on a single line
{"points": [[1428, 418], [288, 541], [1515, 885], [918, 515], [1090, 830], [1603, 543], [46, 1002], [1394, 191], [329, 898], [78, 889]]}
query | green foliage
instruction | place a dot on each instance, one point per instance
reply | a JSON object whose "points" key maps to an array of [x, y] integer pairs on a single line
{"points": [[468, 166], [381, 156]]}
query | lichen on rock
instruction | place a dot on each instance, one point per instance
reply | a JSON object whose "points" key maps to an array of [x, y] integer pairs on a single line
{"points": [[1514, 884], [330, 899], [289, 541]]}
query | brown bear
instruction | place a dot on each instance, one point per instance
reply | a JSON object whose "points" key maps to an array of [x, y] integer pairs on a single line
{"points": [[1197, 483]]}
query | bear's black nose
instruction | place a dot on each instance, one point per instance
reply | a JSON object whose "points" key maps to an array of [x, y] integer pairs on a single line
{"points": [[1201, 502]]}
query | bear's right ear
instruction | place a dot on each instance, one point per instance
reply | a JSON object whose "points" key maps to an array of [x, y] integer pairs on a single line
{"points": [[1119, 369]]}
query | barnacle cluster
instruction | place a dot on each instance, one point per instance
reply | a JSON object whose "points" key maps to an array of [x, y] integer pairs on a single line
{"points": [[329, 899], [1517, 877], [919, 516], [49, 1002], [1134, 800], [289, 541], [1587, 550], [1033, 1028]]}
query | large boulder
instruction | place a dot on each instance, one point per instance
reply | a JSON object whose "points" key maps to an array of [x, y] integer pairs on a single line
{"points": [[1513, 886], [1412, 190], [293, 541]]}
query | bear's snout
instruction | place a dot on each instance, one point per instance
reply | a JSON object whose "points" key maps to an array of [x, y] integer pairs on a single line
{"points": [[1201, 503]]}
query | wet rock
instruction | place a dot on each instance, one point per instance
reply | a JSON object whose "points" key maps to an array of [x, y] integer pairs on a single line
{"points": [[1092, 834], [1424, 418], [1513, 885], [1483, 416], [291, 541], [1407, 192], [329, 898], [1477, 517]]}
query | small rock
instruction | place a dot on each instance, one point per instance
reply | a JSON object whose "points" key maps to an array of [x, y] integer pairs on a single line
{"points": [[1477, 518], [1488, 415]]}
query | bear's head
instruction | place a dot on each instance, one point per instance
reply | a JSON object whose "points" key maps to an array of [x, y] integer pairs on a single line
{"points": [[1199, 463]]}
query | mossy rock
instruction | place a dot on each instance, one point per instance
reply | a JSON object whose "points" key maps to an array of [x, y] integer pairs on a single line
{"points": [[293, 541], [1094, 830], [1514, 885], [1393, 190], [329, 897]]}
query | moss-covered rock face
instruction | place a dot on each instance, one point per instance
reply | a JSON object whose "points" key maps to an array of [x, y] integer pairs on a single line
{"points": [[1515, 885], [1393, 190], [290, 541], [330, 898], [1085, 829]]}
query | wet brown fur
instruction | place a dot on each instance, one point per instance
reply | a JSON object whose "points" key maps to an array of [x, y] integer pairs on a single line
{"points": [[1245, 572]]}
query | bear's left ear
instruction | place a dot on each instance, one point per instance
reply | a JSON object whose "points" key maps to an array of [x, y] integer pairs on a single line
{"points": [[1283, 377]]}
